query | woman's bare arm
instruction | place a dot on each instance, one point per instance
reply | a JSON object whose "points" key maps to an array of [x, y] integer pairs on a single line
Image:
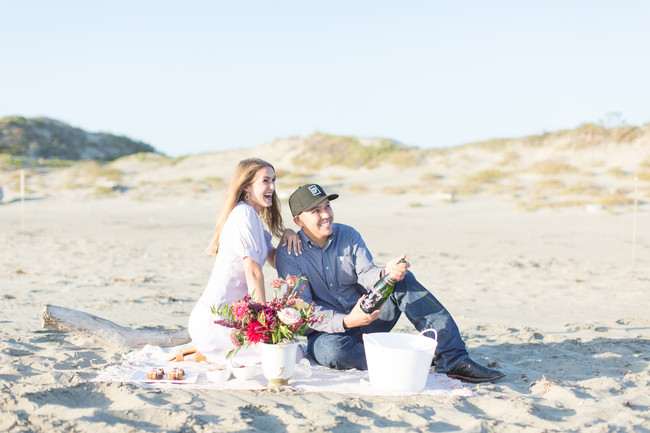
{"points": [[254, 280]]}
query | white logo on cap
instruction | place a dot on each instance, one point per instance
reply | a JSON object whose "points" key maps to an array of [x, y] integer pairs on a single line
{"points": [[314, 190]]}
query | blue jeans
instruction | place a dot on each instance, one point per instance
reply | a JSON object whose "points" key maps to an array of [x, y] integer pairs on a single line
{"points": [[345, 350]]}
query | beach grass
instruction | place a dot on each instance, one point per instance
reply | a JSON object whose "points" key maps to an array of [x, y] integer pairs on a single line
{"points": [[323, 150], [551, 167], [357, 188], [618, 173], [147, 157], [643, 175], [394, 190], [431, 176]]}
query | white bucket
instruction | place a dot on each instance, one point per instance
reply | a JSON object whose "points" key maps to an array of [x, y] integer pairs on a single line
{"points": [[399, 362]]}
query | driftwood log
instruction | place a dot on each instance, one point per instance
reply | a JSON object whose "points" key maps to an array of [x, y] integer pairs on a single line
{"points": [[109, 333]]}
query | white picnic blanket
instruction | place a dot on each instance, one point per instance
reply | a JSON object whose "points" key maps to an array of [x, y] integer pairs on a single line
{"points": [[308, 377]]}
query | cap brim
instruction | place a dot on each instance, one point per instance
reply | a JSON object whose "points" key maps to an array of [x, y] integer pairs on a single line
{"points": [[317, 201]]}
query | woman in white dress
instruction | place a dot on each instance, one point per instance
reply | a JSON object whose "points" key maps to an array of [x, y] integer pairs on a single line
{"points": [[242, 246]]}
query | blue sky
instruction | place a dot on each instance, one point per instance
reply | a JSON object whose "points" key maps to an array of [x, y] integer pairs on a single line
{"points": [[199, 76]]}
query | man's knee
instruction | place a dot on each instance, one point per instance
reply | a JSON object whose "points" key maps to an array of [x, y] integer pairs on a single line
{"points": [[338, 352]]}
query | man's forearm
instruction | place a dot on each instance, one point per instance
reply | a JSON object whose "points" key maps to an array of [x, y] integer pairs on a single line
{"points": [[331, 322]]}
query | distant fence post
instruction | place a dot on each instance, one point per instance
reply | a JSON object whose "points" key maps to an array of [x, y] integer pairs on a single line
{"points": [[636, 201], [22, 200]]}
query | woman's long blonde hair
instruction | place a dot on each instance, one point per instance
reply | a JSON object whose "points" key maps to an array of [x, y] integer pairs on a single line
{"points": [[241, 179]]}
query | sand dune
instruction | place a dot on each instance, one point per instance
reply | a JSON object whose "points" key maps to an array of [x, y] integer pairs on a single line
{"points": [[549, 294]]}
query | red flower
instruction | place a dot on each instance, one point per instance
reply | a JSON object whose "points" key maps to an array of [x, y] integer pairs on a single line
{"points": [[255, 331]]}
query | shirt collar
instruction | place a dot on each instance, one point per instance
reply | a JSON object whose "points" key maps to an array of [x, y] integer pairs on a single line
{"points": [[311, 244]]}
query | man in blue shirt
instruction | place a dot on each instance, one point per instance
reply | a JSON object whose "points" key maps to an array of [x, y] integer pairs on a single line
{"points": [[340, 271]]}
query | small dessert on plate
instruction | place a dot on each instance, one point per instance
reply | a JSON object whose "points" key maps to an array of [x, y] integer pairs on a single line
{"points": [[156, 373], [176, 373]]}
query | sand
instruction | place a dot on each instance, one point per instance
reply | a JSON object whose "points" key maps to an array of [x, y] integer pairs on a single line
{"points": [[552, 297]]}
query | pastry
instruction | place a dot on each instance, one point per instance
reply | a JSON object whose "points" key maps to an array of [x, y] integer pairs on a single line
{"points": [[176, 373], [155, 373]]}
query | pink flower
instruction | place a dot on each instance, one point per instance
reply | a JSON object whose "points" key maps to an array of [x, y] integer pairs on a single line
{"points": [[277, 283], [239, 309], [289, 316], [291, 281]]}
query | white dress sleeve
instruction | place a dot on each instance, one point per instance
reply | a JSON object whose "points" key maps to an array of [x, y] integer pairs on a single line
{"points": [[268, 236], [251, 235]]}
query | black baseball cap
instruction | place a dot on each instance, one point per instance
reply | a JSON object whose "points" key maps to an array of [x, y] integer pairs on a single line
{"points": [[308, 197]]}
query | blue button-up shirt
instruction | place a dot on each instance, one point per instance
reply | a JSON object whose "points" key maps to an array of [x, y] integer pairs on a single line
{"points": [[338, 274]]}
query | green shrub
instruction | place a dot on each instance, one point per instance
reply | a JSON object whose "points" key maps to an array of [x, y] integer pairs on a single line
{"points": [[41, 137], [13, 120], [11, 161]]}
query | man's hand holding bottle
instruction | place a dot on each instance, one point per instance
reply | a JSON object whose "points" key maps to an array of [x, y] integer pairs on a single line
{"points": [[394, 271], [357, 317], [397, 268]]}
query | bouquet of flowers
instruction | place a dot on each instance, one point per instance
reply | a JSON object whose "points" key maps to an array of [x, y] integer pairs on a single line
{"points": [[282, 318]]}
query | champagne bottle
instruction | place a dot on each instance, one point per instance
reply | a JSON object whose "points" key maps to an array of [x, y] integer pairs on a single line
{"points": [[379, 293]]}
